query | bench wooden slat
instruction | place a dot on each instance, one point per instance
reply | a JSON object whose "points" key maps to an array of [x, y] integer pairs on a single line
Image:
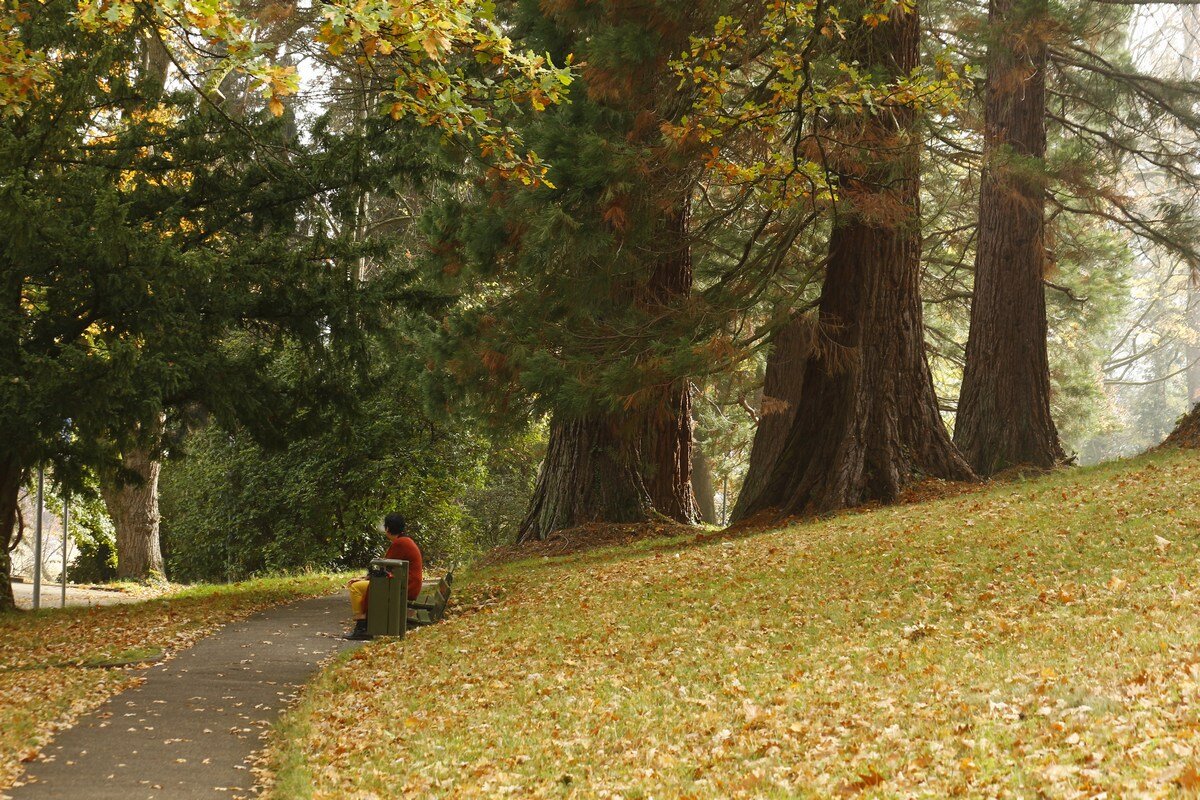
{"points": [[430, 605]]}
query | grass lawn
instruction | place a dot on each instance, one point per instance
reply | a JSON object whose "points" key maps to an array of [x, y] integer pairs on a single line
{"points": [[1035, 639], [49, 660]]}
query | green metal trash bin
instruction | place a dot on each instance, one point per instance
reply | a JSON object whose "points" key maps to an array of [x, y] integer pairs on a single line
{"points": [[387, 598]]}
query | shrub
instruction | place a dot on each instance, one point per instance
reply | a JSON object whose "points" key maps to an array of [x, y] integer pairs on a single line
{"points": [[232, 507]]}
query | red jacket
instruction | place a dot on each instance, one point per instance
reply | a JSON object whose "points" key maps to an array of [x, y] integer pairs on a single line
{"points": [[405, 549]]}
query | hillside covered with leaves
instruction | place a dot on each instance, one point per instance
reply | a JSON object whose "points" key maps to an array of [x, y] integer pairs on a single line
{"points": [[1036, 638]]}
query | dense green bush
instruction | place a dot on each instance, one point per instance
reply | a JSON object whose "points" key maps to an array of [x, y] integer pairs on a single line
{"points": [[96, 558], [232, 507], [497, 504], [92, 541]]}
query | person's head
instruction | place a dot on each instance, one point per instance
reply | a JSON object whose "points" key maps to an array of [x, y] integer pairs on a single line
{"points": [[393, 525]]}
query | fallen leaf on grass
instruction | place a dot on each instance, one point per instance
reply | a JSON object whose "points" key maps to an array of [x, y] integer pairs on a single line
{"points": [[865, 781], [1189, 779]]}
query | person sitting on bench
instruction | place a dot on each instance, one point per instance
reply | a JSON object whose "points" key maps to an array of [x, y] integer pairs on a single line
{"points": [[402, 548]]}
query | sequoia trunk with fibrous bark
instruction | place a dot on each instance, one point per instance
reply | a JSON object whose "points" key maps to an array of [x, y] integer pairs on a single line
{"points": [[1004, 408], [781, 395], [589, 474], [665, 453], [634, 196], [1192, 349], [1191, 28], [666, 441], [867, 422], [626, 467]]}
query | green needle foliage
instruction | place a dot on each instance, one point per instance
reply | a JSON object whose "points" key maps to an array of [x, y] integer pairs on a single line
{"points": [[157, 255]]}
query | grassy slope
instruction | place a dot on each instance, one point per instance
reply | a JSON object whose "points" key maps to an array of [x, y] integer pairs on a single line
{"points": [[1037, 637], [44, 680]]}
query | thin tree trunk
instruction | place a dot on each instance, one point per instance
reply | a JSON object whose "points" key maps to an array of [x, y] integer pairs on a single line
{"points": [[867, 423], [702, 486], [155, 64], [133, 506], [1004, 408], [12, 468], [782, 387], [589, 475], [10, 491]]}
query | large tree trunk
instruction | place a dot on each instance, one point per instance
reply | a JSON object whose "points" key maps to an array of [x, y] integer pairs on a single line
{"points": [[1192, 349], [867, 423], [589, 475], [1191, 72], [133, 506], [1004, 408], [131, 493], [666, 454], [666, 441], [630, 465], [10, 490], [790, 346], [626, 468], [1187, 432]]}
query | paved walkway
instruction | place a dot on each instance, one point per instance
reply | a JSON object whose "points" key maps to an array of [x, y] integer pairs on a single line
{"points": [[188, 731], [76, 596]]}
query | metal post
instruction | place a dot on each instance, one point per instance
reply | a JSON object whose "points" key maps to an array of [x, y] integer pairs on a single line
{"points": [[37, 543], [66, 540], [229, 525]]}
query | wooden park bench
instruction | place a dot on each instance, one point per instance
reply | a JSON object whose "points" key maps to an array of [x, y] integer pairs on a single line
{"points": [[430, 605]]}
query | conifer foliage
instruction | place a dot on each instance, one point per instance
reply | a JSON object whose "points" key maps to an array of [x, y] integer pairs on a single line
{"points": [[148, 259], [162, 249], [594, 271]]}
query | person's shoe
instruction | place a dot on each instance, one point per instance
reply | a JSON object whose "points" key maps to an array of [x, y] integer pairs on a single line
{"points": [[359, 634]]}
